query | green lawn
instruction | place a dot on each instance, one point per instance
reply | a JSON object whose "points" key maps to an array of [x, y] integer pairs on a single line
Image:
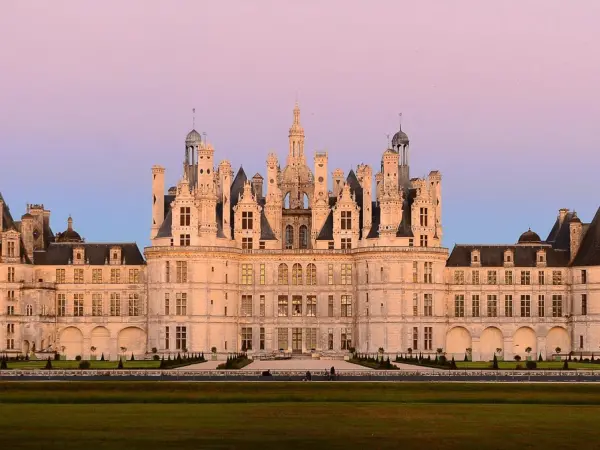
{"points": [[40, 364], [272, 415], [513, 365]]}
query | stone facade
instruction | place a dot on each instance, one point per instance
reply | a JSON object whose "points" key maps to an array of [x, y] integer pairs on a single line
{"points": [[294, 266]]}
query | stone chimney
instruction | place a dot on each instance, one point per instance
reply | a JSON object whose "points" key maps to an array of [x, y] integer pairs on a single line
{"points": [[562, 214], [257, 186], [576, 234]]}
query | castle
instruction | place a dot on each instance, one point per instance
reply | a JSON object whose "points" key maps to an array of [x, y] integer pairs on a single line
{"points": [[298, 268]]}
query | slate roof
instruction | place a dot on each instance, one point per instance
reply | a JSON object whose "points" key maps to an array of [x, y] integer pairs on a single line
{"points": [[7, 220], [560, 235], [589, 250], [98, 254], [493, 255]]}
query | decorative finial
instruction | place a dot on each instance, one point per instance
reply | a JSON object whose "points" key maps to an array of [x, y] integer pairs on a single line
{"points": [[388, 138], [400, 120], [70, 222], [193, 118], [204, 135]]}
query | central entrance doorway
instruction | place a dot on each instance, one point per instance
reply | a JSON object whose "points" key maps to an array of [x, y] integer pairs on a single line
{"points": [[296, 340]]}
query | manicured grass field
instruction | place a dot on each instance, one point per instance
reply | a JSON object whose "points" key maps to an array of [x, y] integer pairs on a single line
{"points": [[272, 415], [557, 365], [70, 364]]}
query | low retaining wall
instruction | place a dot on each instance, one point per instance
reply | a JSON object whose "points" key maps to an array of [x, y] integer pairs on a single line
{"points": [[298, 375]]}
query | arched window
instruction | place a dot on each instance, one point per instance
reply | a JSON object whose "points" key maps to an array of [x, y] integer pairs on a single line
{"points": [[289, 237], [297, 274], [29, 310], [303, 236], [311, 274], [282, 274]]}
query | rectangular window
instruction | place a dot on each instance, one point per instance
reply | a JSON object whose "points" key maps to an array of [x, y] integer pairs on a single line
{"points": [[282, 306], [346, 339], [492, 277], [78, 276], [330, 306], [583, 304], [475, 305], [10, 328], [184, 240], [10, 310], [247, 275], [246, 305], [11, 274], [115, 304], [168, 272], [134, 276], [415, 338], [556, 277], [508, 277], [508, 305], [311, 305], [246, 338], [346, 243], [557, 306], [261, 245], [411, 242], [282, 338], [330, 274], [167, 304], [115, 276], [583, 276], [11, 249], [181, 303], [423, 240], [181, 338], [247, 220], [296, 305], [525, 306], [428, 305], [428, 338], [97, 276], [311, 275], [459, 305], [541, 278], [10, 295], [167, 338], [263, 275], [184, 216], [330, 339], [311, 338], [423, 217], [525, 277], [262, 339], [134, 304], [246, 243], [10, 344], [262, 306], [62, 305], [329, 245], [428, 273], [415, 304], [97, 304], [182, 272], [475, 277], [346, 273], [346, 220], [346, 310], [60, 275], [541, 306], [415, 272], [459, 277], [492, 306]]}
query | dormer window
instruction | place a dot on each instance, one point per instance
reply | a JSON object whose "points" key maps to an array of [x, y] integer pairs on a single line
{"points": [[247, 220], [185, 216], [115, 255], [541, 257], [346, 220], [78, 255], [508, 257], [475, 257]]}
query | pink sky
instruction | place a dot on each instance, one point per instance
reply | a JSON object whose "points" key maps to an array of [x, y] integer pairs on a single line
{"points": [[502, 97]]}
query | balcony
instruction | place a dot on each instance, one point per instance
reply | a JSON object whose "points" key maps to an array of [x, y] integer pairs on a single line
{"points": [[38, 285]]}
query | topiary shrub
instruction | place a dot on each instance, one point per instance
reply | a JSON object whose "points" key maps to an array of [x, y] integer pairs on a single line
{"points": [[102, 357], [84, 365], [566, 365], [156, 358], [48, 364], [3, 365], [78, 358], [531, 365], [132, 358], [495, 362], [540, 358], [120, 365], [56, 356]]}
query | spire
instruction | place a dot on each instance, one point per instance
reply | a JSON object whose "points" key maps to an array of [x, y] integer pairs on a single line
{"points": [[70, 223], [296, 114], [400, 120]]}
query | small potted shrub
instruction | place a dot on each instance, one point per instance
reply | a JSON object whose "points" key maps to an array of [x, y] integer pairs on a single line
{"points": [[214, 353]]}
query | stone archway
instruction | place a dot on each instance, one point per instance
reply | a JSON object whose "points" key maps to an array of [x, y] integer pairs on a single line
{"points": [[557, 337], [71, 338], [100, 338], [491, 339], [458, 340], [133, 339], [525, 338]]}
